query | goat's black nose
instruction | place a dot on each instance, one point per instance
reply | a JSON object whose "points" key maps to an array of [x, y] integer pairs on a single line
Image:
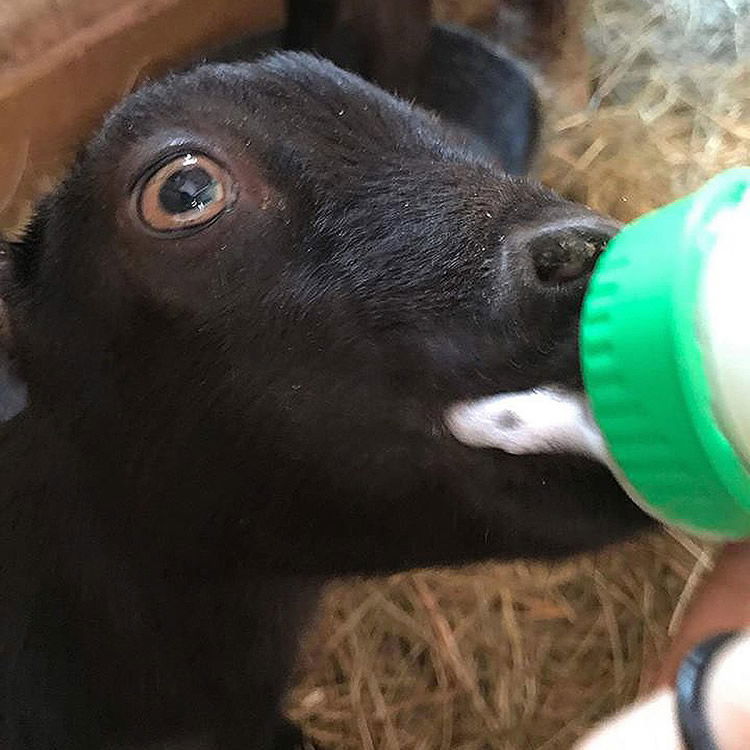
{"points": [[564, 251]]}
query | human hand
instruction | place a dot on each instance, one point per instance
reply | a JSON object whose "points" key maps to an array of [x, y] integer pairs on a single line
{"points": [[722, 604], [652, 724]]}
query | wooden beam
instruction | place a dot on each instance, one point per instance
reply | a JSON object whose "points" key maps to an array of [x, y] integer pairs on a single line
{"points": [[51, 102]]}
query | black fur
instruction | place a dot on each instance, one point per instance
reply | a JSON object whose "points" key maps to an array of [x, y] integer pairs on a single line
{"points": [[220, 421], [459, 74], [385, 41]]}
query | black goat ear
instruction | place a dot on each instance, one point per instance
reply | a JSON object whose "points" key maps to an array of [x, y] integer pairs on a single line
{"points": [[13, 393]]}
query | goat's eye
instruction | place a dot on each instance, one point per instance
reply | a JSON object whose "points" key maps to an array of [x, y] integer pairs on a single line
{"points": [[188, 192]]}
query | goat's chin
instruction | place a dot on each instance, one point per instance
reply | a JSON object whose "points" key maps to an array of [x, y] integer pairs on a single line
{"points": [[547, 441], [573, 503]]}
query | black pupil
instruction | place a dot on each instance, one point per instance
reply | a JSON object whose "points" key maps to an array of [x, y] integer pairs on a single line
{"points": [[188, 189]]}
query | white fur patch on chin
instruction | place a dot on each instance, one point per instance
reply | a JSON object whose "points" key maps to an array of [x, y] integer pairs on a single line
{"points": [[543, 420]]}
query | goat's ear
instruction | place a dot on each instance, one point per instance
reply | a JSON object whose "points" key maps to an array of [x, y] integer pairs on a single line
{"points": [[13, 394]]}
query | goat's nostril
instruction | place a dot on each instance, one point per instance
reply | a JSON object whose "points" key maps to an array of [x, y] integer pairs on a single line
{"points": [[565, 255]]}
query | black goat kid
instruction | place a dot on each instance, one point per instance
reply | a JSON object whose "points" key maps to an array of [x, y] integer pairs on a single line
{"points": [[238, 325]]}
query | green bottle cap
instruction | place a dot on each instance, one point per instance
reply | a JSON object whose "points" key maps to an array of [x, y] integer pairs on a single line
{"points": [[665, 347]]}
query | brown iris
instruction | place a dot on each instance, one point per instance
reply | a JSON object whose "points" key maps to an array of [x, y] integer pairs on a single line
{"points": [[187, 192]]}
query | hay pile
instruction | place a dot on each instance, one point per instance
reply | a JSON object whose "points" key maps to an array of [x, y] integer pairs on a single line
{"points": [[659, 124], [518, 656], [525, 656]]}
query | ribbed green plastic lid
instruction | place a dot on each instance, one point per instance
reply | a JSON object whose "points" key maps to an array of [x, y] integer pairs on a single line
{"points": [[649, 367]]}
